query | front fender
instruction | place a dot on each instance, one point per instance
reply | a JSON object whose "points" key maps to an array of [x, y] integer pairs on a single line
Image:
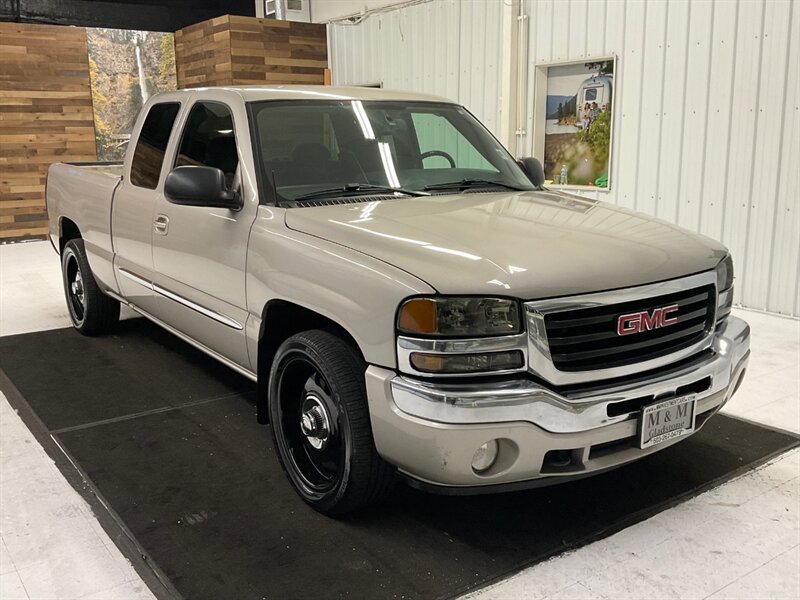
{"points": [[356, 291]]}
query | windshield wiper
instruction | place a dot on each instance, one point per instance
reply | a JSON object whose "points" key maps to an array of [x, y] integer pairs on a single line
{"points": [[354, 189], [465, 184]]}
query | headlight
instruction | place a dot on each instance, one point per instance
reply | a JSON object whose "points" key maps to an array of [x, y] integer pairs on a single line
{"points": [[459, 317], [724, 288], [725, 274]]}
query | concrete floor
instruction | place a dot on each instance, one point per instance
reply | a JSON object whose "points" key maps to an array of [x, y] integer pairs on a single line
{"points": [[740, 540]]}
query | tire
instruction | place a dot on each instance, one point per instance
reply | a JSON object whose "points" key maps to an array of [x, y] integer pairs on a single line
{"points": [[321, 426], [91, 311]]}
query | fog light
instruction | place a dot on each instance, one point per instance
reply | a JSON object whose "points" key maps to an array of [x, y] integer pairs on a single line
{"points": [[484, 456], [722, 346]]}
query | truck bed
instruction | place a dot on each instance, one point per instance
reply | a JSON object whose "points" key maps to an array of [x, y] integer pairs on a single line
{"points": [[83, 192]]}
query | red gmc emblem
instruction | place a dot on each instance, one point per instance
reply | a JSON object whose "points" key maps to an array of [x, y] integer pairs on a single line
{"points": [[646, 321]]}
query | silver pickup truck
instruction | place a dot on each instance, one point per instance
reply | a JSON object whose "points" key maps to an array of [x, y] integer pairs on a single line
{"points": [[408, 296]]}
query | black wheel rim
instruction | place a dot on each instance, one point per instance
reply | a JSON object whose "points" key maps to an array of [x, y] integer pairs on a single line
{"points": [[76, 293], [308, 419]]}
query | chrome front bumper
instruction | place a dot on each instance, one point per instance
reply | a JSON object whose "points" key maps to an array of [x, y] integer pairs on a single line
{"points": [[430, 431]]}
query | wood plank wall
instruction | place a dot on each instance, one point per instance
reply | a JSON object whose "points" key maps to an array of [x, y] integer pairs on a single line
{"points": [[203, 53], [45, 117], [46, 100], [233, 50]]}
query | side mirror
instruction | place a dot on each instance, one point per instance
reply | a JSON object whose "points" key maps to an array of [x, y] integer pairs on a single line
{"points": [[533, 169], [200, 186]]}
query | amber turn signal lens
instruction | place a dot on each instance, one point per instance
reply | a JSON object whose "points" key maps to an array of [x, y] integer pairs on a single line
{"points": [[467, 363], [428, 363], [418, 316]]}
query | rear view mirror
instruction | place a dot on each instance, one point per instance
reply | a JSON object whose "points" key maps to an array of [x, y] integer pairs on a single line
{"points": [[200, 186], [533, 169]]}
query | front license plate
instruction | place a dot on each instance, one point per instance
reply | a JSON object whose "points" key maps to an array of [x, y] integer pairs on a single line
{"points": [[666, 420]]}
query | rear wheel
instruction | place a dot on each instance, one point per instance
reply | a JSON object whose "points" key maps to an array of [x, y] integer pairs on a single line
{"points": [[320, 424], [91, 311]]}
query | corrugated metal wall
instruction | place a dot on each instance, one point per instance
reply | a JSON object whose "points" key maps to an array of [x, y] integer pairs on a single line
{"points": [[707, 113], [449, 48], [707, 124]]}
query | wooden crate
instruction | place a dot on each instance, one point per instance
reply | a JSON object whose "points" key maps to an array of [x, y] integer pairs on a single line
{"points": [[45, 117], [233, 50]]}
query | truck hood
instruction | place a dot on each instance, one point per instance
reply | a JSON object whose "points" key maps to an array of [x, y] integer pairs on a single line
{"points": [[524, 244]]}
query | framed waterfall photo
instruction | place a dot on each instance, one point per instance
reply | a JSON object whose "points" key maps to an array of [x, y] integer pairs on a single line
{"points": [[126, 67]]}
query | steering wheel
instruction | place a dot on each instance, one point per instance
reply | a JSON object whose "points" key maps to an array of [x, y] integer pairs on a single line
{"points": [[441, 153]]}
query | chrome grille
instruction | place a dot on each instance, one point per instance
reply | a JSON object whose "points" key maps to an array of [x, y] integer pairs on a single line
{"points": [[587, 323], [586, 339]]}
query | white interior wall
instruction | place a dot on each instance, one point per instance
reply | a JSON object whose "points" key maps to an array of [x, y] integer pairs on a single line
{"points": [[706, 121], [323, 11], [707, 118], [449, 48]]}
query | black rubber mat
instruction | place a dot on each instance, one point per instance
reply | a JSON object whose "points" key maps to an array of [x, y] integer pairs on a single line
{"points": [[170, 440]]}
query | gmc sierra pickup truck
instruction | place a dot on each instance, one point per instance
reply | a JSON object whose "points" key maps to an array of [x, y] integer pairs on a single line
{"points": [[410, 299]]}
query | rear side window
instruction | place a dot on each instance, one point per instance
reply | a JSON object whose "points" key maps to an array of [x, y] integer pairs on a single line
{"points": [[152, 144], [208, 140]]}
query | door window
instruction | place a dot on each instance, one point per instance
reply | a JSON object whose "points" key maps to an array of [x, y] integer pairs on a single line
{"points": [[152, 143], [208, 140]]}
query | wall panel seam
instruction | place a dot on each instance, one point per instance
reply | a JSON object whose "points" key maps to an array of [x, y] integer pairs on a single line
{"points": [[683, 107], [605, 22], [730, 120], [778, 178], [639, 126], [708, 120], [618, 102], [756, 111], [657, 196]]}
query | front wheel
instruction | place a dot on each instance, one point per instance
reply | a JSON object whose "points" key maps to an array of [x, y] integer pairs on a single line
{"points": [[91, 311], [320, 424]]}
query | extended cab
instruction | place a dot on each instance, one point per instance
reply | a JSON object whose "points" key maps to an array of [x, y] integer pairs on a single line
{"points": [[408, 296]]}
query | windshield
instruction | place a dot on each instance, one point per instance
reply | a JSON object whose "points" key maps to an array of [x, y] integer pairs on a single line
{"points": [[307, 147]]}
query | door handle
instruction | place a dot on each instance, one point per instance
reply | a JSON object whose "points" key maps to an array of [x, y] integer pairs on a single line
{"points": [[161, 224]]}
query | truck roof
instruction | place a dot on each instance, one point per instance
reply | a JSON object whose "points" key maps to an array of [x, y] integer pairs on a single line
{"points": [[254, 93]]}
